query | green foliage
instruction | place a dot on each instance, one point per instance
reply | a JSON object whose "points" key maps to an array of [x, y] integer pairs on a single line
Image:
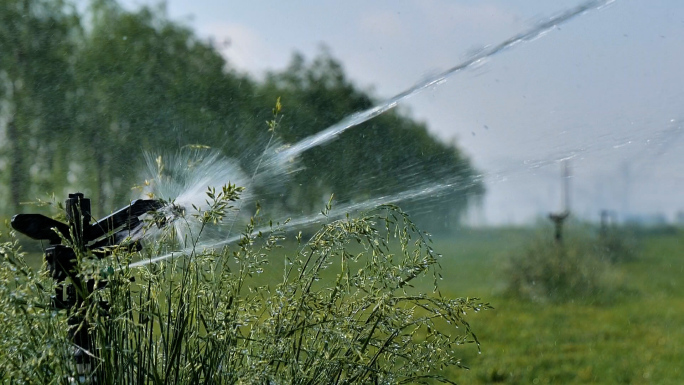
{"points": [[33, 338], [579, 268], [344, 309], [381, 156], [83, 100], [36, 77]]}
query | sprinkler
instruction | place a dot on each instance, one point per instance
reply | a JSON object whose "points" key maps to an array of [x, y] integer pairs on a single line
{"points": [[79, 238]]}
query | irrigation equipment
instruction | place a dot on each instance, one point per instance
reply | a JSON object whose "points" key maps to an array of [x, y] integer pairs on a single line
{"points": [[71, 242], [559, 218]]}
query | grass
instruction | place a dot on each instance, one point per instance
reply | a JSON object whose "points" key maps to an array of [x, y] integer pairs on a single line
{"points": [[344, 310], [636, 338]]}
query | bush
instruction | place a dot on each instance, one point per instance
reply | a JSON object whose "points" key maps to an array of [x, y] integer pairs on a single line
{"points": [[544, 270], [343, 310]]}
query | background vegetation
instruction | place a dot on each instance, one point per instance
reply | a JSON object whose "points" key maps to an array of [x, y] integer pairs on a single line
{"points": [[581, 267], [82, 95], [632, 336]]}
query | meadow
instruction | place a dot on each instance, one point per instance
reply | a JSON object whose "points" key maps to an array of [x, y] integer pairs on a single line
{"points": [[633, 335], [634, 338]]}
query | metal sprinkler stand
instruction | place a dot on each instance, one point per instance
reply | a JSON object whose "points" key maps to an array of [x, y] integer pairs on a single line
{"points": [[81, 238], [558, 219]]}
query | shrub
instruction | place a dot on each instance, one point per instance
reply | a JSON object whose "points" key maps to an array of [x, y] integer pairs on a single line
{"points": [[545, 270], [346, 308]]}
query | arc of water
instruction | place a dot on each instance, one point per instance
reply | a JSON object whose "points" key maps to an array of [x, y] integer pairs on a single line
{"points": [[431, 190], [355, 119], [427, 190]]}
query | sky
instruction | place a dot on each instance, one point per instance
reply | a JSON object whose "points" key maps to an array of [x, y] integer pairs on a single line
{"points": [[605, 90]]}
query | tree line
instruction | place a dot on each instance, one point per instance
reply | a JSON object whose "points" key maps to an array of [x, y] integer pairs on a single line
{"points": [[82, 94]]}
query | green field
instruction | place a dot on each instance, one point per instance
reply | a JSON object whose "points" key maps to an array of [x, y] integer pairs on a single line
{"points": [[638, 337]]}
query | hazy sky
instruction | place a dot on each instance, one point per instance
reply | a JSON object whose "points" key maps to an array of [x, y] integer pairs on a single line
{"points": [[605, 89]]}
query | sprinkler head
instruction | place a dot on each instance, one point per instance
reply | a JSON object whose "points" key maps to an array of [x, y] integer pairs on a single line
{"points": [[108, 231], [69, 239], [176, 211], [167, 214]]}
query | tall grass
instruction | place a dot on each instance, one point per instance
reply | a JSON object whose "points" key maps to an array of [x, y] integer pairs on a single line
{"points": [[343, 310]]}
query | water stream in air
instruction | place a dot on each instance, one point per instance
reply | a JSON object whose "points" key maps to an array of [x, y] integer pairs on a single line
{"points": [[186, 182]]}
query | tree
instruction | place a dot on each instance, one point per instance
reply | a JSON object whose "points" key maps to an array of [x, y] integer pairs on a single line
{"points": [[380, 157], [84, 103], [36, 79]]}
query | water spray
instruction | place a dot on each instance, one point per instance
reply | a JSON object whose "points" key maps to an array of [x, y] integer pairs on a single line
{"points": [[278, 160], [355, 119], [180, 181], [431, 190]]}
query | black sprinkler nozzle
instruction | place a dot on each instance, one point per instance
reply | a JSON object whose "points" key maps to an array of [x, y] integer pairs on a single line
{"points": [[108, 231], [78, 235]]}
